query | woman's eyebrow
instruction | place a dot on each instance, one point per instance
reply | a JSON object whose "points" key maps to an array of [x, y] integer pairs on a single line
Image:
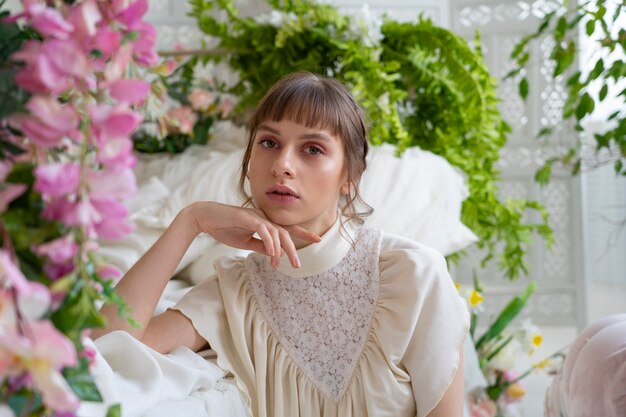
{"points": [[312, 135]]}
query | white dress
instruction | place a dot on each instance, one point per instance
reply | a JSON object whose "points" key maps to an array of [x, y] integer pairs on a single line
{"points": [[370, 329]]}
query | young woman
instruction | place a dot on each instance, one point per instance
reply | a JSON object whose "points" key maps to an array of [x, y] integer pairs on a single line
{"points": [[324, 318]]}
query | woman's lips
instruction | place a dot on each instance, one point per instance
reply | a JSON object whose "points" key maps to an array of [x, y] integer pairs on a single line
{"points": [[281, 194]]}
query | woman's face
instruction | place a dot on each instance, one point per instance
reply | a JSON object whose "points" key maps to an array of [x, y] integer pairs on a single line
{"points": [[297, 174]]}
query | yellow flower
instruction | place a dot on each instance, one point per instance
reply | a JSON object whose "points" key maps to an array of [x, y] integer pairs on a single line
{"points": [[543, 364], [515, 391], [475, 298]]}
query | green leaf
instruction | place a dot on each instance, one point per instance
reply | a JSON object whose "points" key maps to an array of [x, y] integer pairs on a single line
{"points": [[82, 382], [513, 308], [542, 176], [561, 27], [523, 88], [603, 91], [114, 411], [590, 27], [585, 106]]}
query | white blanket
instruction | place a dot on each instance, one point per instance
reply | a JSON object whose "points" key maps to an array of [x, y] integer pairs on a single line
{"points": [[147, 383]]}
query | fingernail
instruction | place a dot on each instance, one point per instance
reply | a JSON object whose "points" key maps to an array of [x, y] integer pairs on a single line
{"points": [[298, 264]]}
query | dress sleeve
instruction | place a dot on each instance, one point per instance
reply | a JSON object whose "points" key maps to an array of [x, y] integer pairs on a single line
{"points": [[436, 317], [217, 310]]}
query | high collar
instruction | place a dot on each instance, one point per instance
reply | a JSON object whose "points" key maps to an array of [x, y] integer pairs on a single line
{"points": [[321, 256]]}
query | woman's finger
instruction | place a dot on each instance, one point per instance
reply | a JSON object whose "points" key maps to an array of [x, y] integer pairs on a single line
{"points": [[267, 239], [276, 240], [289, 247], [302, 233]]}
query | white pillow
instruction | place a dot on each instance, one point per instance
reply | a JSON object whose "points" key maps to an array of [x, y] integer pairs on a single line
{"points": [[417, 195]]}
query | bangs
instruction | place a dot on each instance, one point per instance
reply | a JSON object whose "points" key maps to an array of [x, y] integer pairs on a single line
{"points": [[308, 102]]}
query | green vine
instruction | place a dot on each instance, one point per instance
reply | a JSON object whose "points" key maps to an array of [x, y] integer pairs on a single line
{"points": [[563, 27], [419, 84]]}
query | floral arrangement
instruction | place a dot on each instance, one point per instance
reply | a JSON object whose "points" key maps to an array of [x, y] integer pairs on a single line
{"points": [[190, 98], [419, 84], [66, 165], [498, 349]]}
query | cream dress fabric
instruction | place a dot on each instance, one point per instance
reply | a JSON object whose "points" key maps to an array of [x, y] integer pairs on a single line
{"points": [[370, 329]]}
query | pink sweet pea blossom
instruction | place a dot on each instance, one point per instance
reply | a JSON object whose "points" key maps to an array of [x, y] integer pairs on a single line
{"points": [[43, 353], [112, 182], [112, 122], [181, 119], [8, 193], [49, 121], [85, 17], [47, 66], [129, 91], [107, 41], [49, 22], [132, 15], [72, 213], [143, 47], [56, 271], [57, 179], [59, 250], [486, 408], [120, 60], [109, 272], [114, 223], [118, 152], [33, 297]]}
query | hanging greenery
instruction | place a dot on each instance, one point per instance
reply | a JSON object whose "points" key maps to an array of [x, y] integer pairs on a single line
{"points": [[420, 85], [608, 36]]}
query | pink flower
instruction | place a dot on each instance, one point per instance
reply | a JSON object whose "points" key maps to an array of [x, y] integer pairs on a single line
{"points": [[131, 16], [8, 193], [201, 99], [143, 47], [181, 120], [112, 182], [486, 408], [49, 22], [59, 250], [107, 41], [166, 68], [114, 223], [47, 68], [49, 121], [57, 179], [226, 106], [109, 272], [33, 298], [113, 122], [56, 271], [118, 152], [129, 91], [120, 60], [72, 213], [85, 17], [43, 354]]}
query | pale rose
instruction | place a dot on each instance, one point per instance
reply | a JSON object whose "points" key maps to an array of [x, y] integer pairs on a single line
{"points": [[226, 106], [57, 179], [181, 119], [201, 99]]}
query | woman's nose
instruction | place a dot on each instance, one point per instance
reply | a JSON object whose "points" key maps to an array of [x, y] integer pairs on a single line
{"points": [[283, 165]]}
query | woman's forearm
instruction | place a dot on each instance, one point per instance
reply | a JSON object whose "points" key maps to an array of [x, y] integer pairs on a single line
{"points": [[142, 286]]}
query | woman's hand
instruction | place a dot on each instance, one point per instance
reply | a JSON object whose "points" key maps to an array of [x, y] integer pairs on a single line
{"points": [[236, 226]]}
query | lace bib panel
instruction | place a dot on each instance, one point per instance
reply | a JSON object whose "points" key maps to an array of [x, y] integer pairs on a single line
{"points": [[323, 320]]}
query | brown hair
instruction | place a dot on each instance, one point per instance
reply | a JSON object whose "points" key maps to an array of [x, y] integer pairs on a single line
{"points": [[317, 102]]}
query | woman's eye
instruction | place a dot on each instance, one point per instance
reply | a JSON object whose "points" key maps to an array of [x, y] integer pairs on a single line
{"points": [[268, 143], [313, 150]]}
